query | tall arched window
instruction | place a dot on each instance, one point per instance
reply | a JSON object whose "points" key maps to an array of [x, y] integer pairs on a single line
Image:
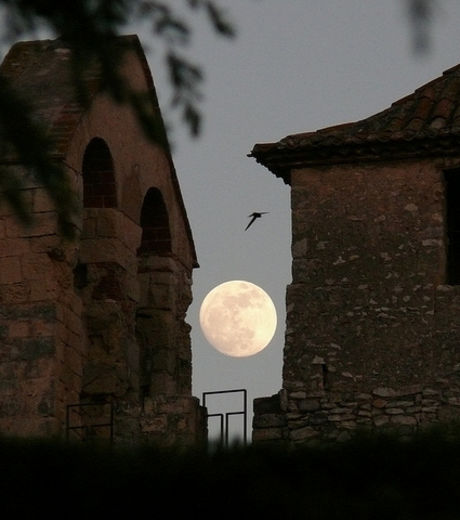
{"points": [[156, 236], [99, 188]]}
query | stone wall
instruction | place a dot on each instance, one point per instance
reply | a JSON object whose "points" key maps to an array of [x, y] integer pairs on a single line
{"points": [[91, 321], [98, 323], [301, 417], [41, 349], [372, 327]]}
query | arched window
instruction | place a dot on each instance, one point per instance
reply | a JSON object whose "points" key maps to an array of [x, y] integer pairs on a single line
{"points": [[99, 189], [156, 236]]}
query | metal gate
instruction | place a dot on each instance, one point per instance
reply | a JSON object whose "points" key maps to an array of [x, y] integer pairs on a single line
{"points": [[225, 416]]}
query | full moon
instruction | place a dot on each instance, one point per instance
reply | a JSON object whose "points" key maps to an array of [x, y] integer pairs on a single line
{"points": [[238, 318]]}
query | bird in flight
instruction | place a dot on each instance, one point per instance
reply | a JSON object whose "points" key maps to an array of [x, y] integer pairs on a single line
{"points": [[253, 216]]}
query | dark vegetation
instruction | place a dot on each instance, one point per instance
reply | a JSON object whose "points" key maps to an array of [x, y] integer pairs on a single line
{"points": [[367, 477]]}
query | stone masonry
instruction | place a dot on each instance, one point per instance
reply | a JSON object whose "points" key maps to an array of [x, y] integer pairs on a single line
{"points": [[93, 330], [373, 322]]}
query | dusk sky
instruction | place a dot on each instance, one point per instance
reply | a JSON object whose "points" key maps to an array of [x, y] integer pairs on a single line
{"points": [[294, 66]]}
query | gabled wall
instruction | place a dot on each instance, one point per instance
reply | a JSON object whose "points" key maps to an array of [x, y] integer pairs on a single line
{"points": [[101, 319]]}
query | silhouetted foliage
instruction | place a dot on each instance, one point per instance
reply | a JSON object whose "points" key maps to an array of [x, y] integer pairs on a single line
{"points": [[421, 15], [88, 28], [371, 476]]}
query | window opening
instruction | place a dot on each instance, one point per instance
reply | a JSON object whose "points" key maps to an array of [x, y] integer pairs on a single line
{"points": [[156, 236], [452, 187], [99, 188]]}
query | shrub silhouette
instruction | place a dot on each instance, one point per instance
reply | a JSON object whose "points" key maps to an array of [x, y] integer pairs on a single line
{"points": [[371, 476]]}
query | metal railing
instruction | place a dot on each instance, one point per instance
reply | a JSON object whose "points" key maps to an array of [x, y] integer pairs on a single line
{"points": [[90, 421], [224, 417]]}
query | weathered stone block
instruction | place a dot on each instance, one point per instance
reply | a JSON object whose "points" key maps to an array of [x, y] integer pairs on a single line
{"points": [[308, 405], [269, 421], [317, 418], [267, 405], [43, 224], [32, 349], [14, 247], [384, 392], [302, 434], [404, 420], [271, 434], [41, 201], [157, 424], [381, 420], [394, 411], [10, 270]]}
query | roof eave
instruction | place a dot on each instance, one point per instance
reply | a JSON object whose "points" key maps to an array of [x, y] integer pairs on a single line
{"points": [[281, 160]]}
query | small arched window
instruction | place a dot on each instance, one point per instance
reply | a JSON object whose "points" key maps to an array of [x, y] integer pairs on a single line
{"points": [[156, 236], [99, 188]]}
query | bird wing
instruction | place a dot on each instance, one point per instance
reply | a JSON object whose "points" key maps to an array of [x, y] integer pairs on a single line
{"points": [[251, 221]]}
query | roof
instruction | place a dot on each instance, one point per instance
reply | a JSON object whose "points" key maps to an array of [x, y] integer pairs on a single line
{"points": [[40, 71], [424, 123]]}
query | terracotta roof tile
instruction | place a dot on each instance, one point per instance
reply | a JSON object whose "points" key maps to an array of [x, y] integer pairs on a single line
{"points": [[431, 114]]}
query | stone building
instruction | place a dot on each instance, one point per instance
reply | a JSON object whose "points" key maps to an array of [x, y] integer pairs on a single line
{"points": [[94, 340], [373, 310]]}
